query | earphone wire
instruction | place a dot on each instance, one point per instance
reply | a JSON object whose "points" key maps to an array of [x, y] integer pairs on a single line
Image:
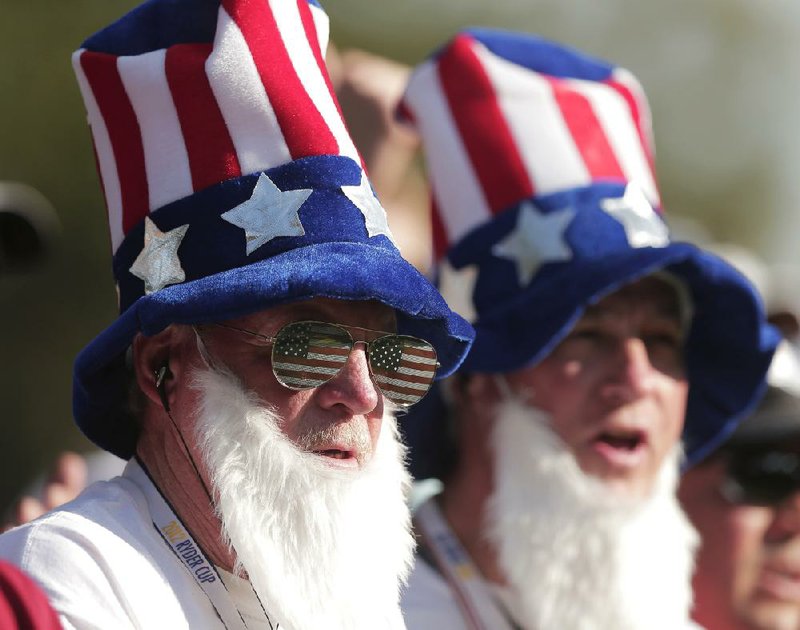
{"points": [[160, 375]]}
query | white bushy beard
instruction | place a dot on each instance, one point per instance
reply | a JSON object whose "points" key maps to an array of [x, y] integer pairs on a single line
{"points": [[323, 548], [576, 555]]}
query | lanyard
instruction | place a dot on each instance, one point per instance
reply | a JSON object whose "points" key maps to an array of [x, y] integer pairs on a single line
{"points": [[177, 537], [478, 607]]}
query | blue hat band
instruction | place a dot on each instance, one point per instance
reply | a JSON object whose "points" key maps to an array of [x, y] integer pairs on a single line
{"points": [[211, 244]]}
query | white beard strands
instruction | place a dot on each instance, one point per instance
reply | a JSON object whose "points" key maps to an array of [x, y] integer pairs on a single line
{"points": [[323, 548], [578, 557]]}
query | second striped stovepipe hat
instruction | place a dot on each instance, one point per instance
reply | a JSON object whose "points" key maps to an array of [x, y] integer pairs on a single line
{"points": [[545, 200]]}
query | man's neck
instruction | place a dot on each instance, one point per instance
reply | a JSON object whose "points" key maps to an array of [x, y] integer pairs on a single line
{"points": [[167, 462], [463, 503]]}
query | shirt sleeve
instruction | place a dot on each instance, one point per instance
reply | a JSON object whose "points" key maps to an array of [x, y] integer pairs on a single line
{"points": [[68, 567]]}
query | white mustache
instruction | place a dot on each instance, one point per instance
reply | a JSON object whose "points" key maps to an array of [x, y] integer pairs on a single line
{"points": [[346, 435]]}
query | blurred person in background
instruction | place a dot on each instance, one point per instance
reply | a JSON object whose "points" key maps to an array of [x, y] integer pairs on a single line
{"points": [[269, 328], [603, 349], [744, 500], [28, 228]]}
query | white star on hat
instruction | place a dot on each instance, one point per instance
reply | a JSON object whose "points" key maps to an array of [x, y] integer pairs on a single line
{"points": [[270, 212], [365, 200], [538, 238], [643, 225], [457, 287], [158, 263]]}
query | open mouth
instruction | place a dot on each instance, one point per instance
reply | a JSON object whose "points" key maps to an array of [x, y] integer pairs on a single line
{"points": [[622, 440], [338, 457], [620, 447], [335, 453]]}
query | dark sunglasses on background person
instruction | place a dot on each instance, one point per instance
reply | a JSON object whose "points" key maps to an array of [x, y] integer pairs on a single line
{"points": [[763, 477], [307, 354]]}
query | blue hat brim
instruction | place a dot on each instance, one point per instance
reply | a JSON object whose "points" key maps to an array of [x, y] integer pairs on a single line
{"points": [[340, 270], [729, 346]]}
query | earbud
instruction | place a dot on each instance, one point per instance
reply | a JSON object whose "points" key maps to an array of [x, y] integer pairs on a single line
{"points": [[162, 374]]}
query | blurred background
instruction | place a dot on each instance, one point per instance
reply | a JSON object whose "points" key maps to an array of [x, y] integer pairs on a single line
{"points": [[721, 76]]}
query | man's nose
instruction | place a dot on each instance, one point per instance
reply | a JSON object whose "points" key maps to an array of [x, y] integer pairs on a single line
{"points": [[353, 386], [630, 374], [786, 523]]}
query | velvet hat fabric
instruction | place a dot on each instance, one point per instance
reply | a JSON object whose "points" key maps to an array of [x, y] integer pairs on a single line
{"points": [[545, 200], [231, 184]]}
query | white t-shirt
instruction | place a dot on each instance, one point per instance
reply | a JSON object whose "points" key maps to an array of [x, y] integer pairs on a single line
{"points": [[104, 565], [428, 602]]}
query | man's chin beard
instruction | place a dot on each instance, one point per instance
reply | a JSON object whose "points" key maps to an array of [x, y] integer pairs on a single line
{"points": [[322, 547], [576, 554]]}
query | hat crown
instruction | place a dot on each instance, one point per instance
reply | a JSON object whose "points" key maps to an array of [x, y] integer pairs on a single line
{"points": [[182, 95], [508, 117]]}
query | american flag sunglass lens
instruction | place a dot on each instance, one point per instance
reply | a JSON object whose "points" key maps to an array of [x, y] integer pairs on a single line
{"points": [[403, 367], [307, 354]]}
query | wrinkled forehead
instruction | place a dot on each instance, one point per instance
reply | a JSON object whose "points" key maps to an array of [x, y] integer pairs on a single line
{"points": [[662, 295], [367, 314]]}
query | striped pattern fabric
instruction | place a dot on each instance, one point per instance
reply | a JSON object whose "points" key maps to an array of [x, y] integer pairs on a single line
{"points": [[504, 122], [175, 120], [306, 355], [402, 367]]}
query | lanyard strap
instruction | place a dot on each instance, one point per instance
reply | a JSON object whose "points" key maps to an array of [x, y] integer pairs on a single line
{"points": [[478, 607], [177, 537]]}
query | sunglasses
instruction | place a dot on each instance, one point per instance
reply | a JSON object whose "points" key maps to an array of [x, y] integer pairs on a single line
{"points": [[765, 478], [307, 354]]}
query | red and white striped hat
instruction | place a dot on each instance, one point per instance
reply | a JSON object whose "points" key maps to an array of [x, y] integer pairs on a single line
{"points": [[231, 185], [508, 117], [239, 92], [545, 200]]}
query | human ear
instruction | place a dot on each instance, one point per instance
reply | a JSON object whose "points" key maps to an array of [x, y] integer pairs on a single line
{"points": [[158, 365]]}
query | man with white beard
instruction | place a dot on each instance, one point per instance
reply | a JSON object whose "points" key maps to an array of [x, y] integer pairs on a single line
{"points": [[559, 444], [269, 328]]}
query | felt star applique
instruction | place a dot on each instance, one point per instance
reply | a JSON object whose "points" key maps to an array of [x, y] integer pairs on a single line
{"points": [[158, 263], [457, 287], [365, 200], [644, 227], [537, 238], [270, 212]]}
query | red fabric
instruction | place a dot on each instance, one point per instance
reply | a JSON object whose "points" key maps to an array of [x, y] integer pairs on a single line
{"points": [[303, 127], [482, 126], [212, 154], [124, 133], [630, 98], [587, 132], [23, 605], [440, 244]]}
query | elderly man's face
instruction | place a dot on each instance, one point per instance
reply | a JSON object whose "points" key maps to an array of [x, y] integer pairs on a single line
{"points": [[615, 388], [748, 567], [341, 419]]}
